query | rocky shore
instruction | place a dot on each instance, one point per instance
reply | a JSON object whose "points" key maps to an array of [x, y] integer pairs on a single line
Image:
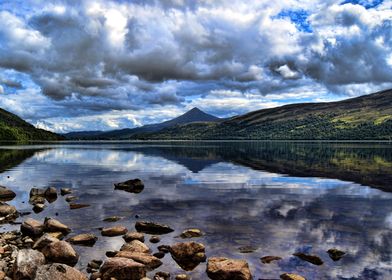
{"points": [[45, 249]]}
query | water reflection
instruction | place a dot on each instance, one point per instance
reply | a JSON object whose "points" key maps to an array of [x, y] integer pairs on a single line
{"points": [[236, 194]]}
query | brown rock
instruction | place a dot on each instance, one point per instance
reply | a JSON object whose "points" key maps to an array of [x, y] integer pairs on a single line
{"points": [[51, 192], [86, 239], [132, 186], [26, 264], [32, 227], [190, 233], [57, 271], [112, 219], [70, 198], [153, 228], [37, 192], [65, 191], [114, 231], [291, 276], [335, 254], [309, 258], [122, 269], [228, 269], [6, 210], [134, 235], [182, 277], [39, 207], [149, 261], [78, 205], [6, 194], [155, 239], [269, 259], [53, 225], [162, 275], [56, 234], [135, 246], [188, 255], [61, 252], [43, 241]]}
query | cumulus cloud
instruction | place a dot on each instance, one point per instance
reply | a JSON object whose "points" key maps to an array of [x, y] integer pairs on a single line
{"points": [[90, 57]]}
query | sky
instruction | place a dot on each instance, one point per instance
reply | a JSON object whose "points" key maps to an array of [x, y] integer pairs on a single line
{"points": [[104, 65]]}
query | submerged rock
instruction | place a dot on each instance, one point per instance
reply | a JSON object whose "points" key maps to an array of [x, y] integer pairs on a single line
{"points": [[70, 198], [53, 225], [155, 239], [61, 252], [135, 246], [51, 194], [32, 227], [188, 255], [148, 260], [6, 194], [112, 219], [78, 205], [291, 276], [37, 192], [335, 254], [86, 239], [190, 233], [26, 264], [57, 271], [132, 186], [152, 228], [65, 191], [114, 231], [247, 249], [269, 259], [228, 269], [309, 258], [122, 269], [39, 207], [134, 235]]}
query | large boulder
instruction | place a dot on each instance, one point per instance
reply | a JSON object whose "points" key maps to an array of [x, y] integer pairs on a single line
{"points": [[53, 225], [6, 194], [135, 246], [132, 186], [85, 239], [61, 252], [114, 231], [26, 264], [148, 260], [43, 241], [152, 228], [188, 255], [228, 269], [32, 227], [122, 269], [57, 271]]}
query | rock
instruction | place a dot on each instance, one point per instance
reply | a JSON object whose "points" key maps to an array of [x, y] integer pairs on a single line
{"points": [[188, 255], [122, 269], [78, 205], [2, 275], [111, 254], [57, 271], [159, 255], [132, 186], [32, 227], [155, 239], [149, 261], [70, 198], [335, 254], [134, 235], [164, 248], [39, 207], [152, 228], [26, 264], [162, 275], [114, 231], [135, 246], [227, 269], [53, 225], [37, 192], [95, 276], [291, 276], [247, 249], [95, 264], [51, 194], [269, 259], [86, 239], [43, 241], [7, 210], [189, 233], [61, 252], [309, 258], [182, 277], [57, 234], [65, 191], [6, 194], [37, 200], [112, 219]]}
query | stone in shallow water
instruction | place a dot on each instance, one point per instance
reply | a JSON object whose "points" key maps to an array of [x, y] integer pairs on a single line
{"points": [[65, 191], [114, 231], [291, 276], [148, 260], [188, 255], [43, 241], [247, 249], [132, 186], [53, 225], [335, 254], [6, 194], [155, 239], [134, 235], [37, 192], [122, 269], [309, 258], [78, 205], [152, 228], [86, 239], [135, 246], [26, 264], [39, 207], [57, 271], [6, 210], [190, 233], [269, 259], [112, 219], [228, 269], [70, 198], [32, 227], [61, 252]]}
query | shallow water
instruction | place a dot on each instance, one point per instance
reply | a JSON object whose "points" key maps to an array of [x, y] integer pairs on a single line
{"points": [[280, 198]]}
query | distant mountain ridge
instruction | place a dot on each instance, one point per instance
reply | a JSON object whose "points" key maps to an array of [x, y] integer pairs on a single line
{"points": [[13, 128], [192, 116]]}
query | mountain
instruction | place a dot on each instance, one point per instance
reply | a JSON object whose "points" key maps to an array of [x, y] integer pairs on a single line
{"points": [[13, 128], [367, 117], [192, 116]]}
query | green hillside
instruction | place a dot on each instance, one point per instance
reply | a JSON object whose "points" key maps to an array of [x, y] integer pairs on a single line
{"points": [[13, 128], [367, 117]]}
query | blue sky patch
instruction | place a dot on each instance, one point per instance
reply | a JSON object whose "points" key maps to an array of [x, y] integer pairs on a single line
{"points": [[299, 18], [368, 4]]}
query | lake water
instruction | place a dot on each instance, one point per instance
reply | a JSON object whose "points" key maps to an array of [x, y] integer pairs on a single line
{"points": [[279, 198]]}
